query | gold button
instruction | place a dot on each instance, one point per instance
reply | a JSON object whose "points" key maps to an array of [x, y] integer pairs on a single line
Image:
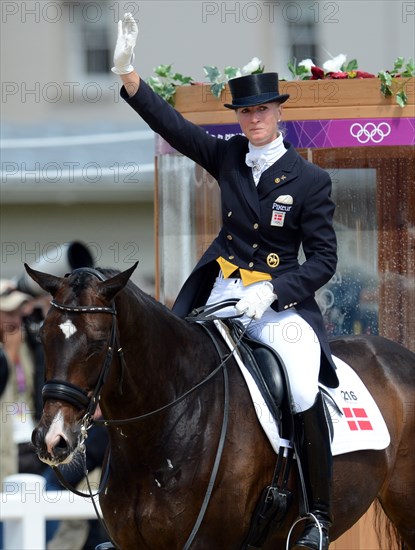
{"points": [[229, 214], [273, 259], [277, 180], [255, 245], [229, 237], [256, 225], [251, 264]]}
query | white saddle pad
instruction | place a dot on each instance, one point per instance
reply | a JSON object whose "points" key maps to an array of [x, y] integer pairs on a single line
{"points": [[357, 421]]}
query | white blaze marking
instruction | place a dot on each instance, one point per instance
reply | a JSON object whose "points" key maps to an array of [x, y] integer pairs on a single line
{"points": [[55, 431], [68, 328]]}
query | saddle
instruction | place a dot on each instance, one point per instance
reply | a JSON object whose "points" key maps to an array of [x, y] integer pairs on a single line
{"points": [[267, 369]]}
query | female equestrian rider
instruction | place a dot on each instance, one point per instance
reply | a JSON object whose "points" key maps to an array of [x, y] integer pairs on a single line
{"points": [[273, 201]]}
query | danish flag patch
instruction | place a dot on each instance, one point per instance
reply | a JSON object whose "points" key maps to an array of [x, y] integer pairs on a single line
{"points": [[277, 218], [357, 419]]}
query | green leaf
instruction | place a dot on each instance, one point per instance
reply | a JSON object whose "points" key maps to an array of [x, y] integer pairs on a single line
{"points": [[292, 68], [401, 98], [410, 66], [386, 91], [409, 69], [155, 84], [163, 70], [212, 73], [399, 63], [352, 65], [301, 70], [385, 78], [217, 88], [168, 93], [182, 79], [230, 72]]}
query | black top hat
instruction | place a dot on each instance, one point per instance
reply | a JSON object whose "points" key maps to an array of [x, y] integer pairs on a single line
{"points": [[255, 89]]}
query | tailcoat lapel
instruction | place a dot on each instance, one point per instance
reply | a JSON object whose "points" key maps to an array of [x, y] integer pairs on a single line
{"points": [[249, 189]]}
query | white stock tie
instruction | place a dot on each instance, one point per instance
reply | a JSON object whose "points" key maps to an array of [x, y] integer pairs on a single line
{"points": [[257, 163], [260, 158]]}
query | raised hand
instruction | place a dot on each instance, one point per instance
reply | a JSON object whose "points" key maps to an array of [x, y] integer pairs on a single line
{"points": [[124, 48]]}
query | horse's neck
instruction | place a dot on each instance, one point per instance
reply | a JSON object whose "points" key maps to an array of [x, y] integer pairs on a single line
{"points": [[164, 357]]}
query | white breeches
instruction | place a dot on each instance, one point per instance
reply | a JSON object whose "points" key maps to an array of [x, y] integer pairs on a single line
{"points": [[286, 332]]}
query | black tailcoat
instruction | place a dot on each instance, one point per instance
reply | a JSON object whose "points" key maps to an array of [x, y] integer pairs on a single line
{"points": [[291, 206]]}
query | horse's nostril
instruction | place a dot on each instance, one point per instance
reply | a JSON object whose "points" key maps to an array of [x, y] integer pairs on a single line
{"points": [[61, 444], [61, 449], [37, 437]]}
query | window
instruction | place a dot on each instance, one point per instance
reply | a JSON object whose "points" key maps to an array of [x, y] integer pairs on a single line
{"points": [[97, 53], [92, 35], [302, 36]]}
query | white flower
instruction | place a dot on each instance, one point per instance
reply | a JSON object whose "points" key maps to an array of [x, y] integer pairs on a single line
{"points": [[334, 65], [307, 63], [252, 66]]}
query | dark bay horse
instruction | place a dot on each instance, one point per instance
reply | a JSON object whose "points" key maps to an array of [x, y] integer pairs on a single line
{"points": [[160, 465]]}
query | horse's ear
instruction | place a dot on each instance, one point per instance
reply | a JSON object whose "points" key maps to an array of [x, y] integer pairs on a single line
{"points": [[110, 288], [50, 283]]}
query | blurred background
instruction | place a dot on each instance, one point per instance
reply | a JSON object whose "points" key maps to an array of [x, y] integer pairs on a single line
{"points": [[77, 164]]}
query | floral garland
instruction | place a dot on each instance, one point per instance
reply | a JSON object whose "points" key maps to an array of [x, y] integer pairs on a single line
{"points": [[165, 81], [392, 82], [337, 68]]}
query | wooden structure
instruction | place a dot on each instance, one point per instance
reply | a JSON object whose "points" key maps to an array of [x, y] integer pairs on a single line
{"points": [[366, 142], [309, 100]]}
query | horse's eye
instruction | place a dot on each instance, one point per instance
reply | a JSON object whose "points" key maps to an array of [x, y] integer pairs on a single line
{"points": [[97, 346]]}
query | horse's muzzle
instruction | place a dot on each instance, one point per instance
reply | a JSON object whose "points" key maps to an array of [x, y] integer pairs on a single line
{"points": [[52, 448]]}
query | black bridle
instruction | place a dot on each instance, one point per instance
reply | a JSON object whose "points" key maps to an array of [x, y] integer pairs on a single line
{"points": [[70, 393]]}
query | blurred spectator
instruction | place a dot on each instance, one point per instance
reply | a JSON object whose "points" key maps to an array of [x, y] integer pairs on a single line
{"points": [[4, 370], [19, 396]]}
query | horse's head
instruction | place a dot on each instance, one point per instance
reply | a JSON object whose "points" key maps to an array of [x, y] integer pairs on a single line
{"points": [[78, 336]]}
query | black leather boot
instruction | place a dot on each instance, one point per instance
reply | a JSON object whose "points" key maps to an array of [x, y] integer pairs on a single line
{"points": [[313, 446]]}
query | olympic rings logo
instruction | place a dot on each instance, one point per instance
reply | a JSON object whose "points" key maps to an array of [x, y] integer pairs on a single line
{"points": [[370, 132]]}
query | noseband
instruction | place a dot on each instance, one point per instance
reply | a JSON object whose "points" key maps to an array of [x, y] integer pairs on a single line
{"points": [[70, 393]]}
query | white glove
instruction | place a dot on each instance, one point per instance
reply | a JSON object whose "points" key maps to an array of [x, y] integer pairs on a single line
{"points": [[256, 302], [124, 49]]}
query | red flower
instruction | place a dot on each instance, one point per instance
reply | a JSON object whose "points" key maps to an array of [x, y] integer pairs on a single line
{"points": [[317, 73], [337, 75], [362, 74]]}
